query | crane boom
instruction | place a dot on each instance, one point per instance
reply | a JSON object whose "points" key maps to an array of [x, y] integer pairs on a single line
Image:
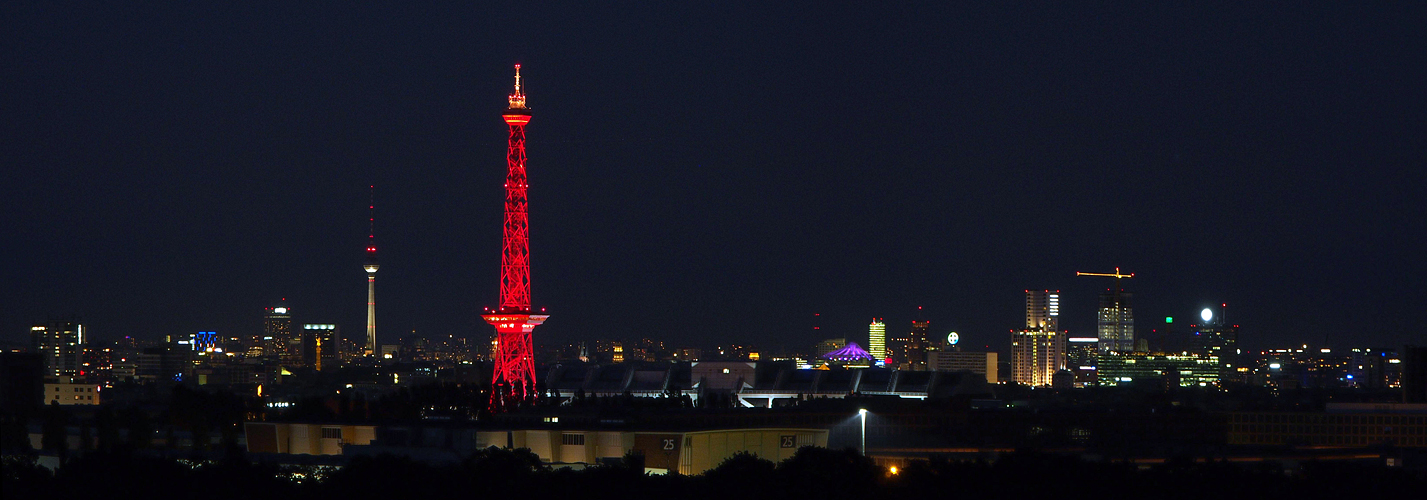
{"points": [[1115, 274], [1117, 337]]}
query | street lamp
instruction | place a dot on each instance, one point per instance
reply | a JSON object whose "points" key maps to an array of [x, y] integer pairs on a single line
{"points": [[863, 413]]}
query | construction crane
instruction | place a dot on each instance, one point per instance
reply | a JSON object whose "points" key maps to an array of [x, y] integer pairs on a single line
{"points": [[1115, 275], [1118, 336]]}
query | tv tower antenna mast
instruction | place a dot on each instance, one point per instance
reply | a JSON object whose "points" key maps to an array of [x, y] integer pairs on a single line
{"points": [[514, 379], [370, 349]]}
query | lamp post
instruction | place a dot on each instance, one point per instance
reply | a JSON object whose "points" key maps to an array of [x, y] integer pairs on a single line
{"points": [[863, 413]]}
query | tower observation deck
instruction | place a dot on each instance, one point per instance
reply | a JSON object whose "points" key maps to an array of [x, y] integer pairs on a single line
{"points": [[513, 382]]}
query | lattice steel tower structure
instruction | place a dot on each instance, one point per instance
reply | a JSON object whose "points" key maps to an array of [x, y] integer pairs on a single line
{"points": [[514, 378]]}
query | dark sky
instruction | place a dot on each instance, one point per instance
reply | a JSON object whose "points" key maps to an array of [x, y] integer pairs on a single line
{"points": [[707, 172]]}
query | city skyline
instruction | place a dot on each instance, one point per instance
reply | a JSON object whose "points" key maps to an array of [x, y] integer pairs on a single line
{"points": [[1268, 169]]}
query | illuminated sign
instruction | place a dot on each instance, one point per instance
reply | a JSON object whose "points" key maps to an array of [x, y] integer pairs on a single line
{"points": [[280, 310], [952, 338]]}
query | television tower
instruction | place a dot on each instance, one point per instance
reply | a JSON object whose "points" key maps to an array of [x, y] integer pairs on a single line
{"points": [[514, 379], [371, 266]]}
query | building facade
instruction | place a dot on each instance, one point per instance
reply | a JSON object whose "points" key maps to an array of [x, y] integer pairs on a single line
{"points": [[826, 346], [1081, 355], [1158, 369], [70, 391], [1038, 350], [276, 337], [61, 343], [877, 340], [914, 348], [1216, 337], [1116, 321], [980, 363]]}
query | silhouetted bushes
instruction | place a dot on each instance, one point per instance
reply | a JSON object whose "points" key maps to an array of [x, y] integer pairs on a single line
{"points": [[812, 472]]}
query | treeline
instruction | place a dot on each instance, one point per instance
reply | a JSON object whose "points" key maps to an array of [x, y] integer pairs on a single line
{"points": [[816, 472]]}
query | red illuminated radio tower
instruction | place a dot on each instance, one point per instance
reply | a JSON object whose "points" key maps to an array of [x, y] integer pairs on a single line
{"points": [[514, 378]]}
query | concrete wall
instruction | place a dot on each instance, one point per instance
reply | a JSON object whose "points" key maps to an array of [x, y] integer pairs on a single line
{"points": [[303, 439], [705, 450]]}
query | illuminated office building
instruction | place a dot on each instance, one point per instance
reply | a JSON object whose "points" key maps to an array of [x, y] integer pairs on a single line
{"points": [[1116, 321], [877, 340], [1043, 309], [1216, 337], [1036, 355], [277, 336], [826, 346], [1168, 370], [980, 363], [204, 342], [61, 344], [916, 346], [1081, 354], [1038, 350]]}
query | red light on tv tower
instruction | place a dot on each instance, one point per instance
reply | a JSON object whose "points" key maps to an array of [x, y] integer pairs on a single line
{"points": [[513, 382]]}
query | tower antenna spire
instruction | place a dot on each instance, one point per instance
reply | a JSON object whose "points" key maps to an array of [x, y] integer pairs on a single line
{"points": [[517, 99], [369, 348]]}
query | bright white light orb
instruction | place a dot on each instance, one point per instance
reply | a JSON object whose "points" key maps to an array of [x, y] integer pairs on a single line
{"points": [[952, 338], [1206, 314]]}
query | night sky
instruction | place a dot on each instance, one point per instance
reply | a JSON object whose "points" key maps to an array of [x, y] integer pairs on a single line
{"points": [[706, 173]]}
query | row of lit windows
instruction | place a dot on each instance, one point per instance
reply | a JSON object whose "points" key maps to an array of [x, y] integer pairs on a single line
{"points": [[76, 398], [1290, 418], [1330, 440], [1330, 429]]}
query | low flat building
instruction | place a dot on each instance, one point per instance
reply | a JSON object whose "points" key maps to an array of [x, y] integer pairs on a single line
{"points": [[688, 452], [71, 391], [980, 363], [1179, 370], [305, 439], [1341, 426]]}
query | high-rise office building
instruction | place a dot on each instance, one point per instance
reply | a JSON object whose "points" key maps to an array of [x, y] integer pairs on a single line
{"points": [[277, 338], [1116, 321], [915, 346], [1216, 337], [877, 339], [825, 346], [1038, 350], [1081, 358], [61, 343], [1043, 309]]}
